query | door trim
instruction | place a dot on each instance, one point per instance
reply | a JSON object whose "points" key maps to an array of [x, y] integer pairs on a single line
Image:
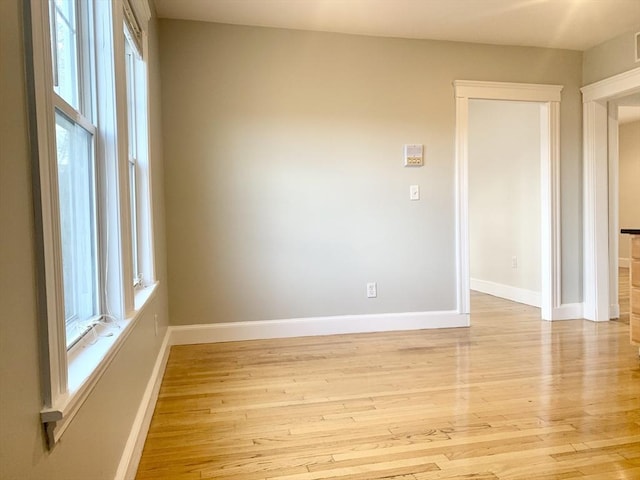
{"points": [[549, 98], [600, 226]]}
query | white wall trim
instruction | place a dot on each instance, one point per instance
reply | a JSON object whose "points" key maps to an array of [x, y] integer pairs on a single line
{"points": [[305, 327], [568, 311], [612, 87], [600, 259], [624, 262], [135, 443], [614, 208], [515, 294], [523, 92], [463, 268], [549, 98], [550, 225], [614, 310], [596, 218]]}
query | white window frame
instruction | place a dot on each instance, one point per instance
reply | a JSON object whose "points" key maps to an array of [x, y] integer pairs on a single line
{"points": [[69, 376], [82, 115], [138, 114]]}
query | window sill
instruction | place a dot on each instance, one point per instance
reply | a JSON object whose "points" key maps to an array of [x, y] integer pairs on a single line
{"points": [[87, 361]]}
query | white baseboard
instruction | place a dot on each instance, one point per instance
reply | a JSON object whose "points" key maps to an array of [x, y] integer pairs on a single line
{"points": [[135, 443], [614, 310], [515, 294], [305, 327], [623, 262], [568, 311]]}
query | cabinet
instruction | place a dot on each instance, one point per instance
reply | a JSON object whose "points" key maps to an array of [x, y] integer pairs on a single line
{"points": [[634, 287]]}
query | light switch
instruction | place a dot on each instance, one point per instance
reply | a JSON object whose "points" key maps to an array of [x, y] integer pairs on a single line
{"points": [[414, 192]]}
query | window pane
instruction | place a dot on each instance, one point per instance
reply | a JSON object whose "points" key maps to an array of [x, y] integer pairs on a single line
{"points": [[64, 36], [76, 186], [134, 222], [130, 63], [131, 59]]}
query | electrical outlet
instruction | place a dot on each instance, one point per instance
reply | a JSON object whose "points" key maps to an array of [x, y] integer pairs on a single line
{"points": [[514, 262], [155, 323], [372, 290]]}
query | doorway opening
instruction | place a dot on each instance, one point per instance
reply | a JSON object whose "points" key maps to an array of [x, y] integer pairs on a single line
{"points": [[601, 224], [624, 205], [548, 97], [628, 193], [504, 199]]}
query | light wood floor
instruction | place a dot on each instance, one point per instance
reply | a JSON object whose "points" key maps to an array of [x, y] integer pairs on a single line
{"points": [[512, 397]]}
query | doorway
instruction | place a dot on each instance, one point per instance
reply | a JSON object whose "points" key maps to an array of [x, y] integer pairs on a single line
{"points": [[624, 205], [504, 199], [600, 112], [548, 97]]}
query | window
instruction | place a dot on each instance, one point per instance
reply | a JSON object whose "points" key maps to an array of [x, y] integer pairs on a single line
{"points": [[83, 78], [66, 48], [75, 164], [136, 94], [77, 204]]}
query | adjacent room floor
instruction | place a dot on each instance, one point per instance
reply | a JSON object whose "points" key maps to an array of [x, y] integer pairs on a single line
{"points": [[511, 397]]}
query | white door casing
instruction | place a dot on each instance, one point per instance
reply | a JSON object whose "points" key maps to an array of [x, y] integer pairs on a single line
{"points": [[548, 96], [600, 163]]}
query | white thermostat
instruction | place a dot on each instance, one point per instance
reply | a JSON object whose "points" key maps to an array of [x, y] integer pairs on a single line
{"points": [[413, 155]]}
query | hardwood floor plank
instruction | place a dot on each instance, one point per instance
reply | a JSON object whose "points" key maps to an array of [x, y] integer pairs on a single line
{"points": [[512, 397]]}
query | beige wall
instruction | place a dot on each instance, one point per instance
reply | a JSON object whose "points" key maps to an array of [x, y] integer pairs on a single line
{"points": [[629, 175], [285, 187], [91, 447], [504, 193], [610, 58]]}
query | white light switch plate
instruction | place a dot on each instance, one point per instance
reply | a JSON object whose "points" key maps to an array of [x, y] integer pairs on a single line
{"points": [[414, 192]]}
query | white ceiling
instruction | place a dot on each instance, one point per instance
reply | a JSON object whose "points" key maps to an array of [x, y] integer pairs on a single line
{"points": [[570, 24]]}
